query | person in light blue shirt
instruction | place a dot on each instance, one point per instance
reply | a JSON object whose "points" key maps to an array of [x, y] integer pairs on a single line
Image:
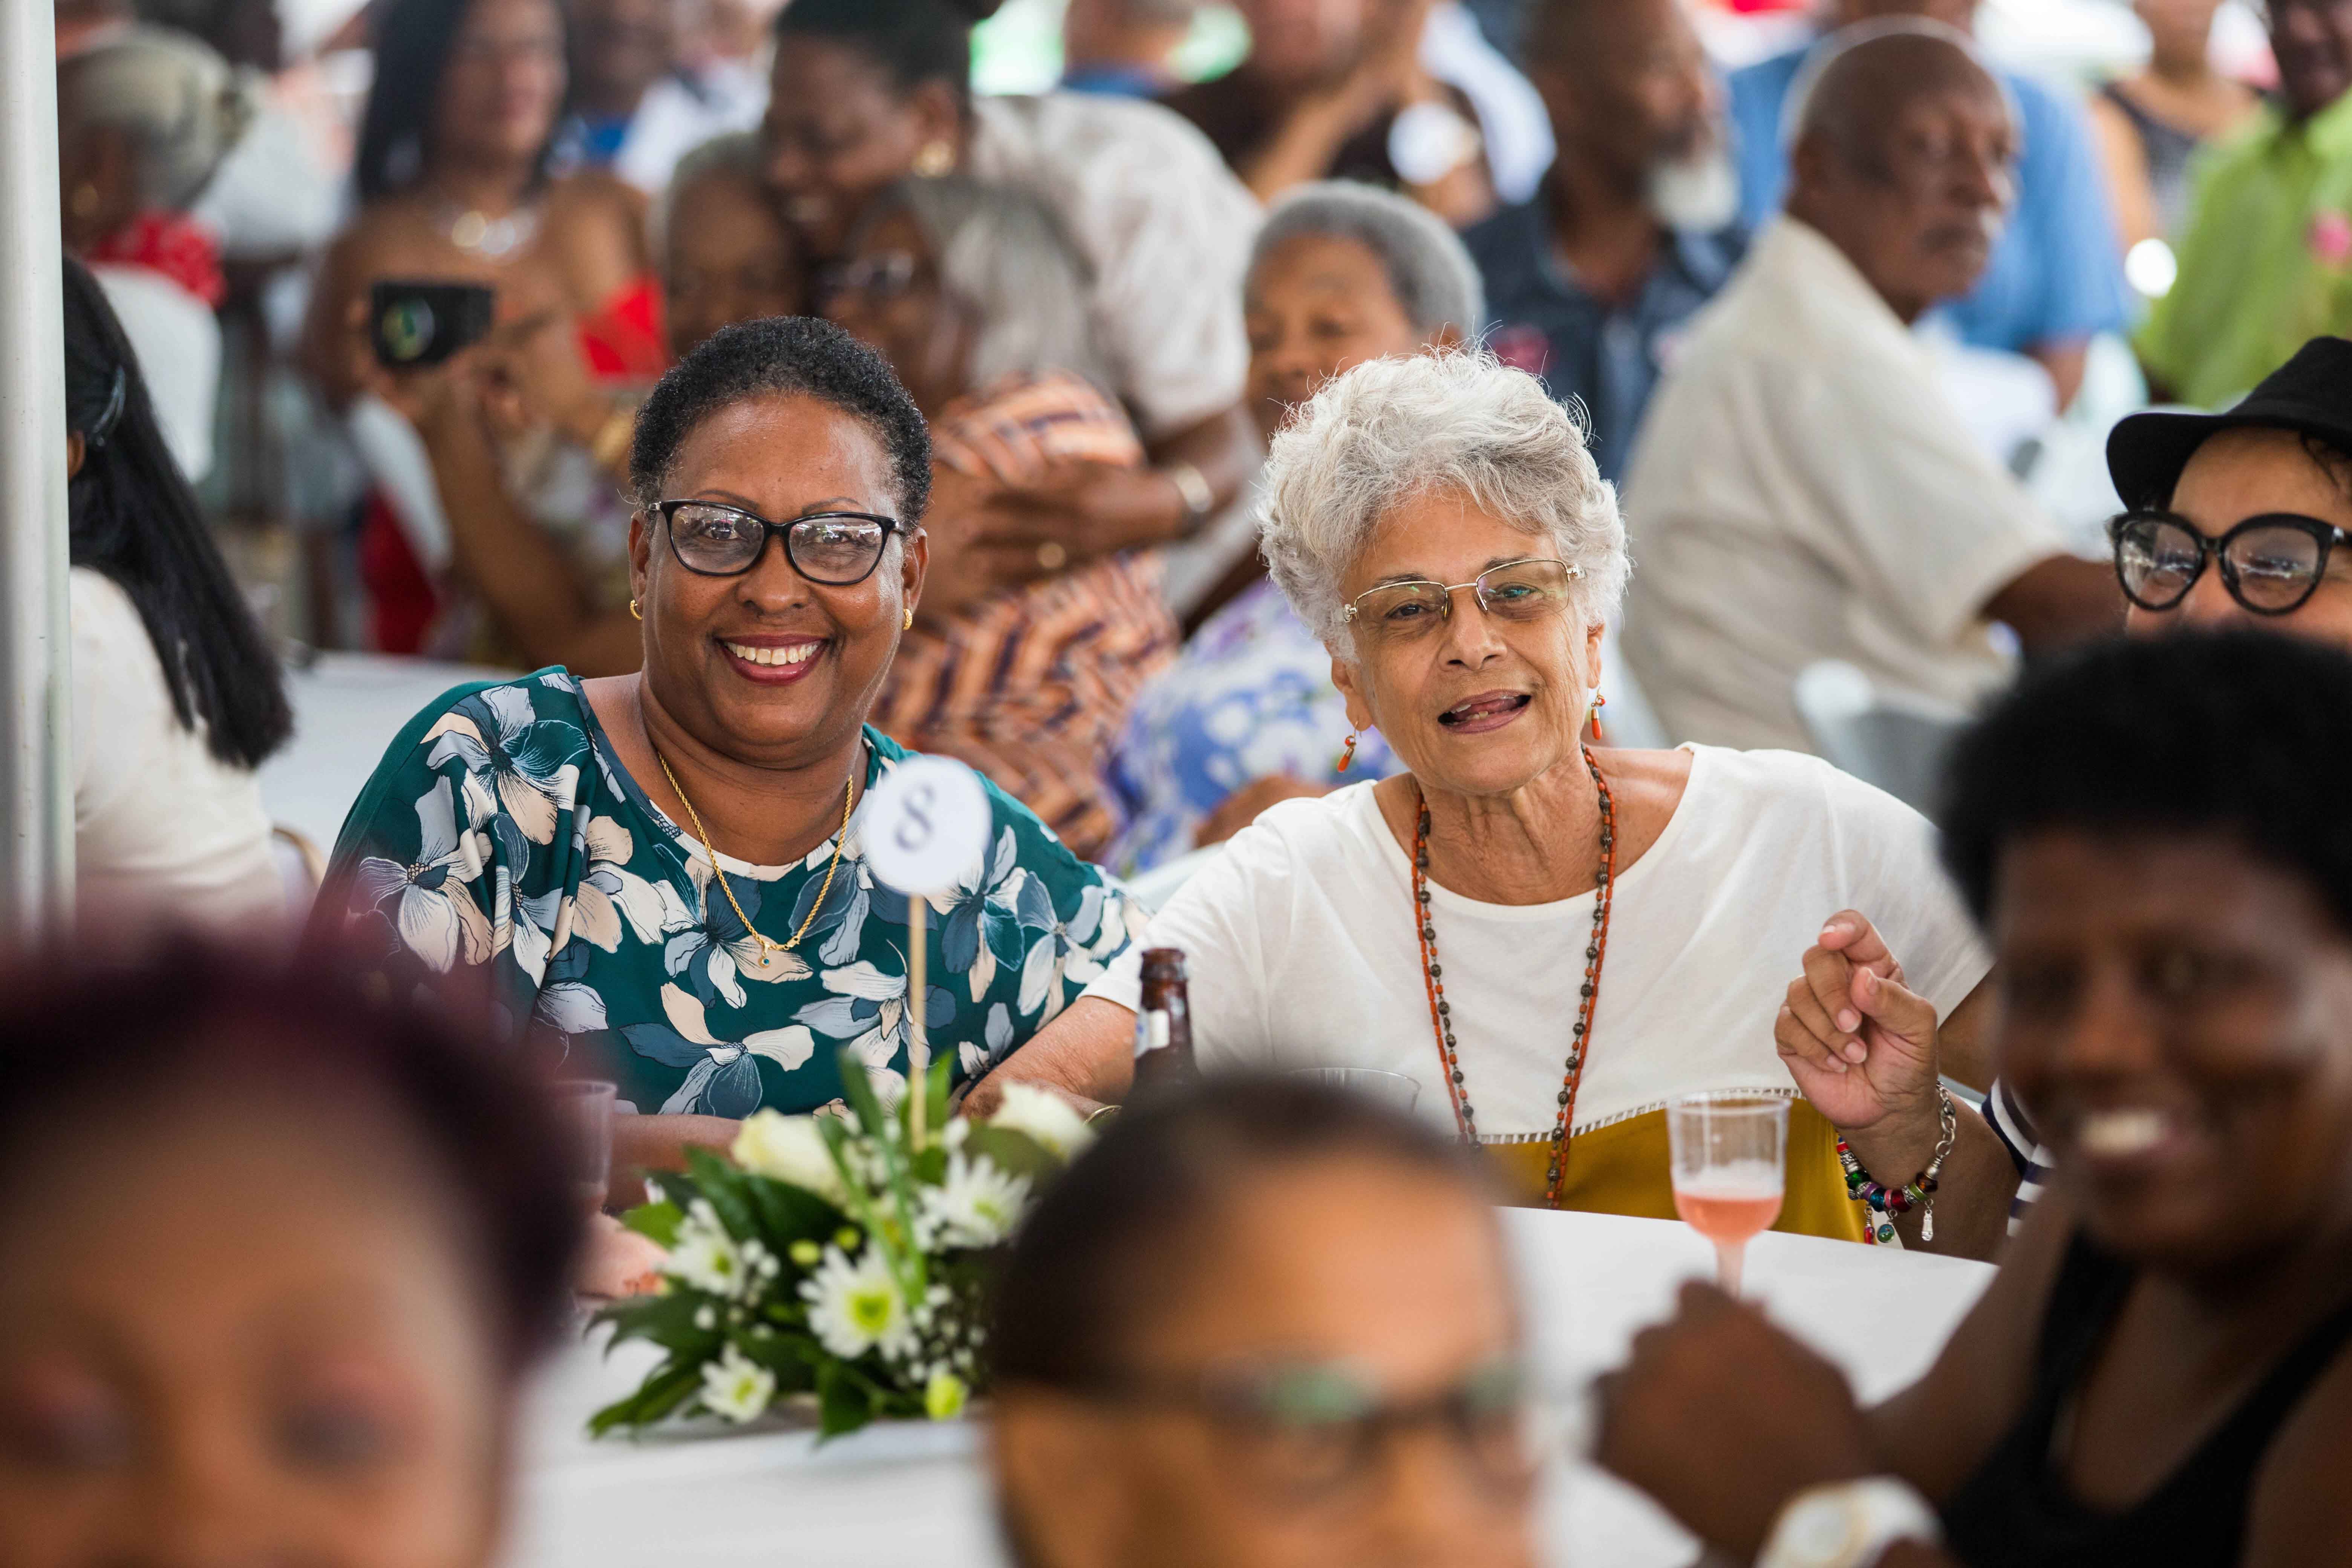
{"points": [[2055, 280]]}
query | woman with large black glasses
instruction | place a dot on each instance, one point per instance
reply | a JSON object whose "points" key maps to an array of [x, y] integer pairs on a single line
{"points": [[563, 833], [2240, 519]]}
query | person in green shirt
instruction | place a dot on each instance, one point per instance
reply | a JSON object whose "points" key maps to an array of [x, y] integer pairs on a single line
{"points": [[660, 874], [2266, 261]]}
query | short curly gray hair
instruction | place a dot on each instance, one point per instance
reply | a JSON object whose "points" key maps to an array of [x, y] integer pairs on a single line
{"points": [[1458, 421], [1430, 271]]}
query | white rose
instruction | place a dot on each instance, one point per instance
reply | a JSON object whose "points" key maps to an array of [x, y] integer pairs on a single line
{"points": [[1045, 1117], [788, 1149]]}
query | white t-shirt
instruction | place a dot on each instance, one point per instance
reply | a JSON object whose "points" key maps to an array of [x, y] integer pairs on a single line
{"points": [[1165, 229], [1803, 490], [1300, 946], [164, 830]]}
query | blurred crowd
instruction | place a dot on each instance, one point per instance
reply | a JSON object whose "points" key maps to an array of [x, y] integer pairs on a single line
{"points": [[752, 401], [1104, 298]]}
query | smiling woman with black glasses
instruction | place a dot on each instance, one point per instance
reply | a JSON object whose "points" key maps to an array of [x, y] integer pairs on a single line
{"points": [[562, 833]]}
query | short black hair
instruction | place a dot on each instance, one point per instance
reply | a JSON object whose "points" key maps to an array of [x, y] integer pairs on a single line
{"points": [[132, 516], [83, 1034], [783, 357], [913, 41], [2245, 734], [411, 40], [1081, 1271]]}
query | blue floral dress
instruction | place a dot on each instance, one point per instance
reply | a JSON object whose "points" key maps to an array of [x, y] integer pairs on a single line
{"points": [[1250, 696], [501, 830]]}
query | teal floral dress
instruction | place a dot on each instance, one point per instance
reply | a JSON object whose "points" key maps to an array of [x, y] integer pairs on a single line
{"points": [[501, 830]]}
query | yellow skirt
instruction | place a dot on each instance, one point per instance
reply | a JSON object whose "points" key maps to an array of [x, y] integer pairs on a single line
{"points": [[1624, 1168]]}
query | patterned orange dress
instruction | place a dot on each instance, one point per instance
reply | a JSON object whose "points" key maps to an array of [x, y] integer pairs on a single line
{"points": [[1031, 685]]}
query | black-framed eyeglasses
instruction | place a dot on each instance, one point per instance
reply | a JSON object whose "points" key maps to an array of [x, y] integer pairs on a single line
{"points": [[1314, 1431], [837, 549], [1529, 589], [2271, 564]]}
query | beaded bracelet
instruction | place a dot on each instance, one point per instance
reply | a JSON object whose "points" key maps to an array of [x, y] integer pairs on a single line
{"points": [[1894, 1202]]}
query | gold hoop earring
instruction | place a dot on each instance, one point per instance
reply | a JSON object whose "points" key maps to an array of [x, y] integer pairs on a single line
{"points": [[935, 159], [907, 622], [634, 611]]}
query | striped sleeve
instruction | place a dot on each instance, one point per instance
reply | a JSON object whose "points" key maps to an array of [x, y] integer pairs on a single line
{"points": [[2015, 1130]]}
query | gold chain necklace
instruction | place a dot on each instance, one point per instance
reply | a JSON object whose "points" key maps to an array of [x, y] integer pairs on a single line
{"points": [[841, 839]]}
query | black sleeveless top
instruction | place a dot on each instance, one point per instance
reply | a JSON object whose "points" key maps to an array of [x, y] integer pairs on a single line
{"points": [[2017, 1514]]}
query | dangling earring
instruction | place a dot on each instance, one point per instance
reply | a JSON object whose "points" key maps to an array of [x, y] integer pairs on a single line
{"points": [[634, 611], [936, 159], [1592, 718], [1347, 755], [907, 621]]}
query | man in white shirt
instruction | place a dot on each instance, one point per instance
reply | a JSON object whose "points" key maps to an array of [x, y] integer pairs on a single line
{"points": [[1802, 490]]}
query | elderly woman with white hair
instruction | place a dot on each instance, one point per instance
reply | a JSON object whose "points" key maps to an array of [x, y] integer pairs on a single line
{"points": [[1552, 938], [1022, 659]]}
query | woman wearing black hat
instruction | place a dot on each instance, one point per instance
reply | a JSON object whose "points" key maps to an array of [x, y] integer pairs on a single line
{"points": [[2242, 518]]}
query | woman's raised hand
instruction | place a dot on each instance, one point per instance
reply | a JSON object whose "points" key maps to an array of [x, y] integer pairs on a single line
{"points": [[1860, 1044]]}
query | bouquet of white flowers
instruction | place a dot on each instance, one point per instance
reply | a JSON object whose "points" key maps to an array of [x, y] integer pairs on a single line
{"points": [[838, 1255]]}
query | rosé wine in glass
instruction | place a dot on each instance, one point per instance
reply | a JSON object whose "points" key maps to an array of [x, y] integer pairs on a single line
{"points": [[1729, 1169]]}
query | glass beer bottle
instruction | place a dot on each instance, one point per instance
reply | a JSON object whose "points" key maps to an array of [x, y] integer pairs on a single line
{"points": [[1163, 1023]]}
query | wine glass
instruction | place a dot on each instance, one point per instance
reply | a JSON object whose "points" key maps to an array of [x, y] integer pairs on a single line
{"points": [[583, 1107], [1731, 1162]]}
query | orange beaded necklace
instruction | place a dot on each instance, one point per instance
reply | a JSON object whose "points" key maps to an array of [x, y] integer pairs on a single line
{"points": [[1596, 952]]}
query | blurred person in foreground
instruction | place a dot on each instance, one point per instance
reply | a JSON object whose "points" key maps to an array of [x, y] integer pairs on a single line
{"points": [[637, 106], [2152, 124], [177, 698], [2269, 232], [868, 93], [2053, 278], [2236, 520], [1248, 716], [976, 299], [1123, 47], [1263, 1325], [1804, 491], [658, 874], [2152, 835], [530, 452], [280, 1259], [145, 120], [1553, 938], [1594, 283]]}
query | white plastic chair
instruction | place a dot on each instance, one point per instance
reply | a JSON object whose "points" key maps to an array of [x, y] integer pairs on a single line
{"points": [[1896, 740]]}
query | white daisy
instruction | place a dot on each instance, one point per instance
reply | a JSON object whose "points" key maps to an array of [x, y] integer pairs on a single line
{"points": [[737, 1387], [855, 1307], [978, 1204], [705, 1257]]}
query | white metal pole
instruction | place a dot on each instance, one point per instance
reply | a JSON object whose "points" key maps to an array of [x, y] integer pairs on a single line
{"points": [[36, 783]]}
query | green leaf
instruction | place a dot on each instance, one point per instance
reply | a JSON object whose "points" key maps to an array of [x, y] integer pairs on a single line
{"points": [[670, 1386], [658, 1223], [722, 1187], [1016, 1153], [788, 1214], [843, 1402], [665, 1320], [941, 1074]]}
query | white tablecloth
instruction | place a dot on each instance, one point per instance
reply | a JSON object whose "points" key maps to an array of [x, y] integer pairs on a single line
{"points": [[347, 709], [910, 1495]]}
